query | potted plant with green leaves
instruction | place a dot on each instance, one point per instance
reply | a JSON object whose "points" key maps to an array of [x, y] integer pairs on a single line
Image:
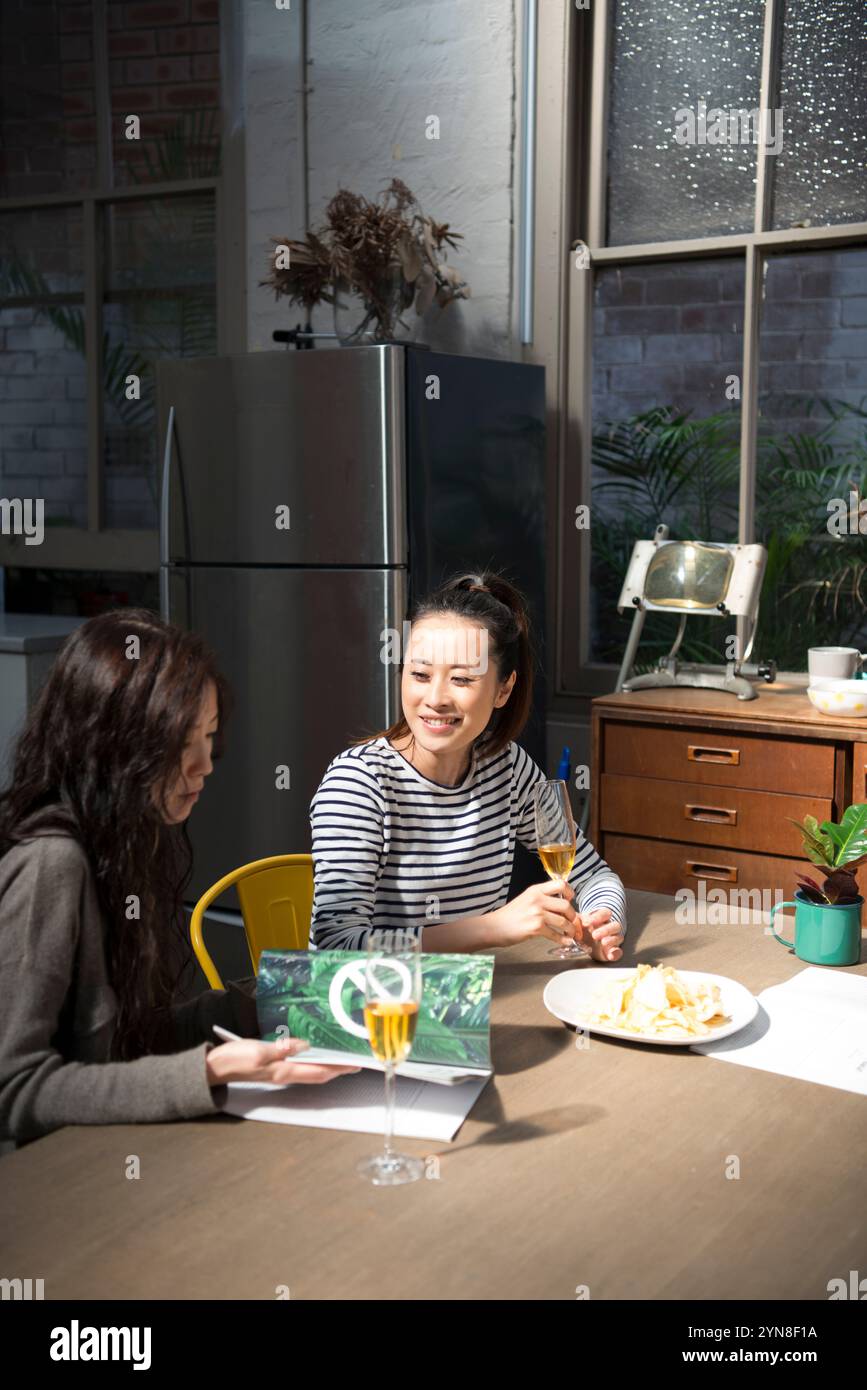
{"points": [[836, 850], [828, 915]]}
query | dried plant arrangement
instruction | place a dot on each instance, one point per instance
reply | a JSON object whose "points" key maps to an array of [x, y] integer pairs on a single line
{"points": [[389, 252]]}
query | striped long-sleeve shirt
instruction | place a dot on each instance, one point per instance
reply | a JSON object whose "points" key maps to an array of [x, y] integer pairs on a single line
{"points": [[393, 849]]}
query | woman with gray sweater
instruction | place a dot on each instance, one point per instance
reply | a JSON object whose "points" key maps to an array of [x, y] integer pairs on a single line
{"points": [[95, 857]]}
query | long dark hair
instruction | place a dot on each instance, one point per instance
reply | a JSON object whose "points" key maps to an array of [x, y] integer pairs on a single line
{"points": [[489, 600], [108, 731]]}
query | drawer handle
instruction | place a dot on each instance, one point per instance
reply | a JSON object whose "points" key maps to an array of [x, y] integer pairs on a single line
{"points": [[717, 815], [698, 753], [728, 872]]}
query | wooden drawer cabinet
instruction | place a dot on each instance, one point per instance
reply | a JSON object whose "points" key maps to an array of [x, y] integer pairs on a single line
{"points": [[859, 772], [707, 815], [736, 760], [695, 785], [668, 867]]}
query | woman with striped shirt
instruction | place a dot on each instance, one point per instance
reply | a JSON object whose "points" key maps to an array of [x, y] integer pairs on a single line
{"points": [[416, 827]]}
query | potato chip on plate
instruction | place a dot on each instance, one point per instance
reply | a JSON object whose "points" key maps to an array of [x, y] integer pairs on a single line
{"points": [[652, 1004]]}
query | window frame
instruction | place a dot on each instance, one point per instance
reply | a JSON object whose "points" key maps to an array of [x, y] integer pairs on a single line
{"points": [[583, 111], [97, 547]]}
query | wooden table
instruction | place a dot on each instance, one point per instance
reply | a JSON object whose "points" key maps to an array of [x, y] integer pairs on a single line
{"points": [[604, 1167]]}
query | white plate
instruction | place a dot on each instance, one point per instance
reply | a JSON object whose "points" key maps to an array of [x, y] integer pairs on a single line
{"points": [[572, 990]]}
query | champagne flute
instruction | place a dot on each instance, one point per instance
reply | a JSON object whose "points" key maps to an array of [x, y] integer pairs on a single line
{"points": [[392, 996], [556, 839]]}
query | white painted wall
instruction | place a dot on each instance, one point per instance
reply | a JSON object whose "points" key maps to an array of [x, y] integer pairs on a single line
{"points": [[378, 69], [274, 179]]}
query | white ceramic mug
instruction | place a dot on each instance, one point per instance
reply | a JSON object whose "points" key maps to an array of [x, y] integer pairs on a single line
{"points": [[840, 663]]}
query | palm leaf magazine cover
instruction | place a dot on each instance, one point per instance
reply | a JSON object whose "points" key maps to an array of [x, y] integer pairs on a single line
{"points": [[300, 990]]}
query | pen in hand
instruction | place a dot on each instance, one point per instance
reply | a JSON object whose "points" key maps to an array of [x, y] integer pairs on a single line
{"points": [[228, 1036], [225, 1034]]}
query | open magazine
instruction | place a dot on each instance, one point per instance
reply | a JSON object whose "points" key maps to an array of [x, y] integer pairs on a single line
{"points": [[319, 996]]}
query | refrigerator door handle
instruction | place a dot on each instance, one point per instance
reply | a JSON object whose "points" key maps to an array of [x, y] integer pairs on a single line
{"points": [[393, 707], [164, 518]]}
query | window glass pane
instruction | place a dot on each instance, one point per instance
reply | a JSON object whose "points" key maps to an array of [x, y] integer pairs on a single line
{"points": [[666, 60], [812, 449], [43, 417], [140, 331], [161, 243], [667, 347], [164, 71], [821, 171], [161, 302], [47, 111], [41, 253]]}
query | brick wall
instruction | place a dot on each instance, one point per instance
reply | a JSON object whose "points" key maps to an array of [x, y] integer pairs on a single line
{"points": [[164, 61], [163, 65], [43, 417], [814, 335], [671, 335], [47, 102], [666, 335]]}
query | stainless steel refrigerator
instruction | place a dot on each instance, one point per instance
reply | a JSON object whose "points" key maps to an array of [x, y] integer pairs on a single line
{"points": [[307, 498]]}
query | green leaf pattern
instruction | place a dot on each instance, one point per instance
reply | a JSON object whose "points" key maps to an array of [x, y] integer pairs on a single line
{"points": [[454, 1020]]}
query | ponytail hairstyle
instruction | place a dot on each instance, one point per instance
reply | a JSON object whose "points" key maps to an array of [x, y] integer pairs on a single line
{"points": [[487, 600], [104, 740]]}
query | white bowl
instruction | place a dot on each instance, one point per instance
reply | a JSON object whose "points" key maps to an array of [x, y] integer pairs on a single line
{"points": [[836, 683], [839, 697]]}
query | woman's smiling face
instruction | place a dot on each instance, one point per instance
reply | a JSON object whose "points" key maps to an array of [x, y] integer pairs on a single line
{"points": [[450, 684]]}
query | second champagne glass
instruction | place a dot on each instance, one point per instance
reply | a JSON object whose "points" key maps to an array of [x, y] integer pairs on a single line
{"points": [[556, 838]]}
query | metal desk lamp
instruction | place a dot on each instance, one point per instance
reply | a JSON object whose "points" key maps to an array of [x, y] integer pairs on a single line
{"points": [[689, 577]]}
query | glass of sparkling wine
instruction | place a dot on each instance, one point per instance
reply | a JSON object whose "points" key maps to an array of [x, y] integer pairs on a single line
{"points": [[556, 838], [392, 995]]}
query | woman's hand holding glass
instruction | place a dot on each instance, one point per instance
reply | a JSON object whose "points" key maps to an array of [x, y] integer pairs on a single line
{"points": [[543, 909]]}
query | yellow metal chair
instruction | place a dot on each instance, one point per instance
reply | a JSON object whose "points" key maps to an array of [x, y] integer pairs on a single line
{"points": [[276, 897]]}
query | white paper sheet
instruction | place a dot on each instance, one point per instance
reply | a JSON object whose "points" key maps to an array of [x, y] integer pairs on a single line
{"points": [[422, 1110], [813, 1027]]}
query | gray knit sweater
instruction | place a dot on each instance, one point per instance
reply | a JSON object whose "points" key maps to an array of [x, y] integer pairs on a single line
{"points": [[58, 1010]]}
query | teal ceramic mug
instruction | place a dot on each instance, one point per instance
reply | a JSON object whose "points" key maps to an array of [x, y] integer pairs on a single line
{"points": [[824, 934]]}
